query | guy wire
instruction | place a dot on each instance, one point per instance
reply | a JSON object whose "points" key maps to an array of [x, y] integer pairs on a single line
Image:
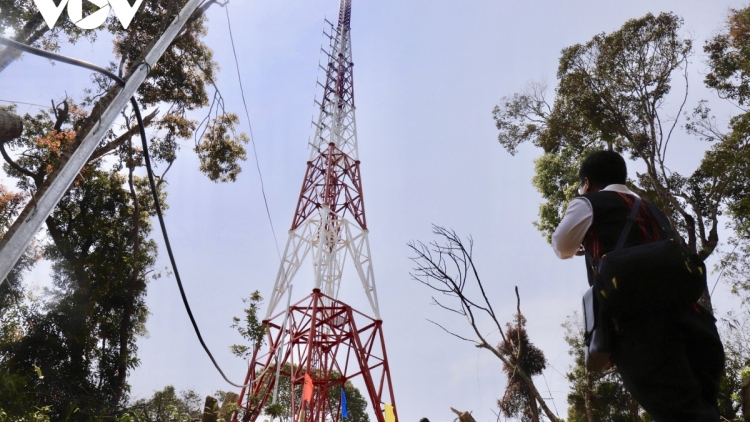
{"points": [[252, 137]]}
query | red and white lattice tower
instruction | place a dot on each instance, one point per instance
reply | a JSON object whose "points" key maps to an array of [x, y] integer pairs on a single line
{"points": [[320, 335]]}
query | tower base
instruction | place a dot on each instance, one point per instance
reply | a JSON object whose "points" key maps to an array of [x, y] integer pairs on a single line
{"points": [[331, 343]]}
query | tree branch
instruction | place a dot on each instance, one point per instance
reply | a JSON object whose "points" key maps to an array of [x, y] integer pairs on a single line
{"points": [[461, 257], [454, 334], [124, 137]]}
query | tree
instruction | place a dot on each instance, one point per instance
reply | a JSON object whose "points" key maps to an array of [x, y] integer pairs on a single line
{"points": [[83, 337], [166, 406], [596, 396], [446, 268], [729, 74], [253, 331], [76, 341], [519, 399], [735, 331], [611, 94]]}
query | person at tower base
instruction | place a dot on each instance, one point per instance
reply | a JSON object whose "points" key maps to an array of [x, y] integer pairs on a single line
{"points": [[670, 360]]}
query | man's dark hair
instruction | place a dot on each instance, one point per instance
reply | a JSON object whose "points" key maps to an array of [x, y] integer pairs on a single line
{"points": [[603, 168]]}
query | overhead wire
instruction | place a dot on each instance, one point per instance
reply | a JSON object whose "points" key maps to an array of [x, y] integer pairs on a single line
{"points": [[550, 394], [152, 183], [252, 137], [723, 267], [21, 102]]}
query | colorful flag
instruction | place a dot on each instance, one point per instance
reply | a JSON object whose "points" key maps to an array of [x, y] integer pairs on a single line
{"points": [[344, 412], [389, 415], [307, 390]]}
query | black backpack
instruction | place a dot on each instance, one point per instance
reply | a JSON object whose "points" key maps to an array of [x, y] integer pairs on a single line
{"points": [[639, 280], [649, 277]]}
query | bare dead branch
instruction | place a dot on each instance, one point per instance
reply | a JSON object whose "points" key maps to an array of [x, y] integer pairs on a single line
{"points": [[446, 268], [435, 301], [684, 100], [452, 333]]}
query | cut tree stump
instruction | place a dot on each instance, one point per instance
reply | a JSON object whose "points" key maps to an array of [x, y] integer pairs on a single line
{"points": [[464, 416], [210, 413], [11, 126], [230, 398]]}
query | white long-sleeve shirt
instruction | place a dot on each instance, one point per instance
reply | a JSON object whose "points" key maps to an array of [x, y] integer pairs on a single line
{"points": [[569, 234]]}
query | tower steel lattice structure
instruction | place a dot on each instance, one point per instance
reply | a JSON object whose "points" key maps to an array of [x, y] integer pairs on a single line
{"points": [[319, 336]]}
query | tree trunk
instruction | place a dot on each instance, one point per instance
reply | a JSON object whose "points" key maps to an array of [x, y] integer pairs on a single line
{"points": [[230, 398], [464, 416], [533, 407], [129, 309], [210, 410], [635, 410], [587, 395], [11, 126]]}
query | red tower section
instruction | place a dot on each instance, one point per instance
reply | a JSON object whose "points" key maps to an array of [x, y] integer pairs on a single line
{"points": [[331, 342]]}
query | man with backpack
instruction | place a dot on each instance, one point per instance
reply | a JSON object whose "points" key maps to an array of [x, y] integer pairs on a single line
{"points": [[670, 357]]}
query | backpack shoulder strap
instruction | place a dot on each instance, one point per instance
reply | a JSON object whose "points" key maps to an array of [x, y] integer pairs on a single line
{"points": [[662, 220], [629, 223]]}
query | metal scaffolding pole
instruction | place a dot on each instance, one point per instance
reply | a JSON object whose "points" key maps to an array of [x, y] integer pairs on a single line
{"points": [[21, 234]]}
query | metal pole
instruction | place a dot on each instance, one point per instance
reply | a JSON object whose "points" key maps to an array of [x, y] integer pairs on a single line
{"points": [[14, 246], [281, 346]]}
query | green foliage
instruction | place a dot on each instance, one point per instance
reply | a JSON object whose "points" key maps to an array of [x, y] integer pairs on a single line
{"points": [[556, 177], [612, 92], [728, 58], [30, 415], [253, 331], [82, 334], [518, 401], [166, 405], [83, 337], [729, 74], [220, 151], [735, 335], [602, 392], [16, 403]]}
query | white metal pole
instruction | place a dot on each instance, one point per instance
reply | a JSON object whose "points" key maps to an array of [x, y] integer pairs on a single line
{"points": [[15, 245], [281, 346]]}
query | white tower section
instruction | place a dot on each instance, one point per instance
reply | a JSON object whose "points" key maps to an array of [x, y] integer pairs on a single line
{"points": [[329, 222]]}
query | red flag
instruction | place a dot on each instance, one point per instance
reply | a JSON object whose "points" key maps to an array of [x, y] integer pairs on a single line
{"points": [[307, 390]]}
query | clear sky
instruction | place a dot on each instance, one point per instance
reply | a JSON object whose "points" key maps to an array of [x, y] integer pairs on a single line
{"points": [[427, 75]]}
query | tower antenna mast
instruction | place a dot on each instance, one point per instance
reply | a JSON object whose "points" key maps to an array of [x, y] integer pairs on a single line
{"points": [[328, 342]]}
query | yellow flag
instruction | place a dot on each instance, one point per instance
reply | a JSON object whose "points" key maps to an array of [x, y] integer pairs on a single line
{"points": [[389, 415]]}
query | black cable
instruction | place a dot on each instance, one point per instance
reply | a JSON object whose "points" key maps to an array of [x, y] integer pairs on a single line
{"points": [[152, 183], [168, 245], [60, 58]]}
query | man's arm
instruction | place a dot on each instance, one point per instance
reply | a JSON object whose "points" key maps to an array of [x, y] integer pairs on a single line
{"points": [[567, 238]]}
